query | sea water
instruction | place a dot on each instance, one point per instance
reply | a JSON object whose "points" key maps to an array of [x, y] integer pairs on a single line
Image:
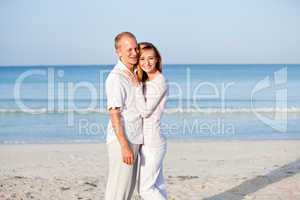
{"points": [[206, 102]]}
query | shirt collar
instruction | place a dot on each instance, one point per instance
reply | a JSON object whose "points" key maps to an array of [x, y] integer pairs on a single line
{"points": [[122, 66]]}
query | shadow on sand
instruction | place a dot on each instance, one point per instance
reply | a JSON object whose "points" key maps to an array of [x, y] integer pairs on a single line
{"points": [[259, 182]]}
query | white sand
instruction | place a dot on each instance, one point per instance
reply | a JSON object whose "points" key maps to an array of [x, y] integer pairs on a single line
{"points": [[213, 170]]}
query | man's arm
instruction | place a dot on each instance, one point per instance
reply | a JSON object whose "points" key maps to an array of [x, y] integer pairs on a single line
{"points": [[115, 117]]}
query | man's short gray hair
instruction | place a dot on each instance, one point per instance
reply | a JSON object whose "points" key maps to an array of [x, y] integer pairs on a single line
{"points": [[120, 36]]}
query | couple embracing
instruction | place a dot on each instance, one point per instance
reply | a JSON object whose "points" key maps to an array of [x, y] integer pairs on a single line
{"points": [[136, 96]]}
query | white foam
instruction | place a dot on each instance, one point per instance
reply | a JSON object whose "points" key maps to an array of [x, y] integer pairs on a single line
{"points": [[168, 111]]}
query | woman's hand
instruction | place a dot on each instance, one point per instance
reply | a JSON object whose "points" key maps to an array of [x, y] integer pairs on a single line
{"points": [[132, 78]]}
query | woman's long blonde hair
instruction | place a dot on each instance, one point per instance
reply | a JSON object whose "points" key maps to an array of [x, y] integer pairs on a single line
{"points": [[142, 76]]}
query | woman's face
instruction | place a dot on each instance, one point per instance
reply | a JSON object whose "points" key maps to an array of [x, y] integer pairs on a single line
{"points": [[148, 61]]}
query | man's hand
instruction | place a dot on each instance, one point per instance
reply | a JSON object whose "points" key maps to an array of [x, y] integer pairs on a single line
{"points": [[127, 154]]}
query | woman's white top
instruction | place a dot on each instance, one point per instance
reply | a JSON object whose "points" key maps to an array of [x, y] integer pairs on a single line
{"points": [[151, 101]]}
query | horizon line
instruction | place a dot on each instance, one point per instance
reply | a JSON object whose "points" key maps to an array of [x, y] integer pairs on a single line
{"points": [[74, 65]]}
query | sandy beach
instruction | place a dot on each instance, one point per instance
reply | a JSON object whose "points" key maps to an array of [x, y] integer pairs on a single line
{"points": [[231, 170]]}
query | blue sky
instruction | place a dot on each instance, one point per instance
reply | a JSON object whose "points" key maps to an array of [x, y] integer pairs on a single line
{"points": [[46, 32]]}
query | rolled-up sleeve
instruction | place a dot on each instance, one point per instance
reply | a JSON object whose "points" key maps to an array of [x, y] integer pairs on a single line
{"points": [[114, 92]]}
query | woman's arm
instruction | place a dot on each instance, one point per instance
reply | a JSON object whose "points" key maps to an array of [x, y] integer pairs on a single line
{"points": [[147, 107]]}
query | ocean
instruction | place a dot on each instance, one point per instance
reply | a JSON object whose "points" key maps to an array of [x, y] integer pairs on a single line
{"points": [[58, 104]]}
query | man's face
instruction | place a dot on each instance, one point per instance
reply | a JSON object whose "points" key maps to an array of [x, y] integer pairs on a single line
{"points": [[128, 51]]}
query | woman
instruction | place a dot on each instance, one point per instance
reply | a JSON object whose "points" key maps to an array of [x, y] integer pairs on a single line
{"points": [[151, 97]]}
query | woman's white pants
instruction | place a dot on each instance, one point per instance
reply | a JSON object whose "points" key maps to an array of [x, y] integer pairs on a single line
{"points": [[151, 180]]}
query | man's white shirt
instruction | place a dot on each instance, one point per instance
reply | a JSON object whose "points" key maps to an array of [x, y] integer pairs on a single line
{"points": [[121, 93]]}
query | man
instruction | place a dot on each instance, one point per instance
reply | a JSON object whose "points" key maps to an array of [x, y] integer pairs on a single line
{"points": [[124, 133]]}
